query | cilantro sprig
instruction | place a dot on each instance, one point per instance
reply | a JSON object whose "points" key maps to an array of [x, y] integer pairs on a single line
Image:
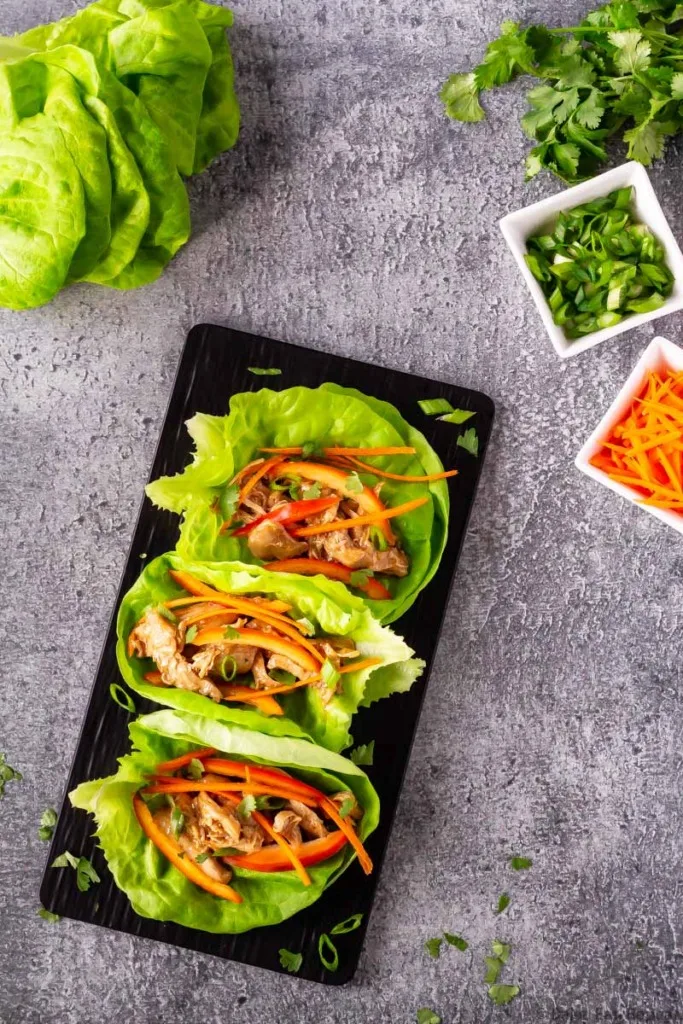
{"points": [[616, 74]]}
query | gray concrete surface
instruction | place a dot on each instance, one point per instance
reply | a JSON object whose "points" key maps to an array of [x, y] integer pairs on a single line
{"points": [[353, 217]]}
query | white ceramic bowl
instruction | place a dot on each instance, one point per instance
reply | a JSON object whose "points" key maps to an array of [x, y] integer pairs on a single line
{"points": [[660, 354], [519, 226]]}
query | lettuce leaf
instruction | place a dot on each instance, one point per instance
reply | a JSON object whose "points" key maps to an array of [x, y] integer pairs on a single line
{"points": [[155, 888], [327, 604], [327, 415]]}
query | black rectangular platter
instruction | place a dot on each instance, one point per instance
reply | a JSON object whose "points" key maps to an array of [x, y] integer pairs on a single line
{"points": [[213, 366]]}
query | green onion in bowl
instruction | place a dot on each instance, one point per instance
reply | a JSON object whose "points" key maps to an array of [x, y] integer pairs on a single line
{"points": [[598, 265]]}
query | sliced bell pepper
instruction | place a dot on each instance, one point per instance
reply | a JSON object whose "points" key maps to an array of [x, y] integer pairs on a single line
{"points": [[165, 784], [338, 480], [180, 762], [261, 773], [309, 853], [197, 588], [292, 512], [295, 651], [261, 700], [334, 571], [175, 854], [288, 851]]}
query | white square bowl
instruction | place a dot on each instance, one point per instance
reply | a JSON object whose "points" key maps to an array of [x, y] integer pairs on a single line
{"points": [[660, 354], [518, 227]]}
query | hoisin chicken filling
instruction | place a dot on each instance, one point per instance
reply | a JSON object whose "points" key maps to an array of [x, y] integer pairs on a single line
{"points": [[210, 815], [239, 648]]}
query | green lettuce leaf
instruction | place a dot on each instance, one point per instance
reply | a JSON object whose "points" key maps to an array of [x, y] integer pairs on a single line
{"points": [[153, 886], [327, 415], [329, 606]]}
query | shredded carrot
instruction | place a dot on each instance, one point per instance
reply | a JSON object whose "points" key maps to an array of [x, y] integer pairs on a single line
{"points": [[272, 690], [359, 666], [343, 823], [402, 477], [401, 450], [261, 820], [644, 449], [262, 701], [260, 472], [246, 469], [180, 762], [348, 524], [197, 588], [297, 651], [169, 785]]}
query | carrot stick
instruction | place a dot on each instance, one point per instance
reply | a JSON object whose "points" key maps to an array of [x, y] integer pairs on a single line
{"points": [[271, 691], [401, 450], [172, 785], [197, 588], [174, 853], [258, 475], [255, 609], [180, 762], [268, 641], [358, 666], [347, 524], [342, 823], [404, 477], [285, 847], [334, 571], [261, 773]]}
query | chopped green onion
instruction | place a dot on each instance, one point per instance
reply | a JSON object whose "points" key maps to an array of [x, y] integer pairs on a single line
{"points": [[122, 698], [349, 925], [325, 943], [231, 668], [457, 416], [191, 634], [329, 674], [167, 614], [433, 406], [264, 371]]}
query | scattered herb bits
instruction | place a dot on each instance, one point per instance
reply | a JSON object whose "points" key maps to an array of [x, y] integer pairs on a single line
{"points": [[433, 947], [290, 961], [48, 820], [521, 863], [427, 1016], [598, 265], [7, 774], [363, 754]]}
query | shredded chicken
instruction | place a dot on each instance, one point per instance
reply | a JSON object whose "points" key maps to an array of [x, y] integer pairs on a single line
{"points": [[191, 844], [276, 661], [157, 638], [287, 824], [270, 541], [309, 820], [340, 799], [223, 826], [256, 502], [210, 657]]}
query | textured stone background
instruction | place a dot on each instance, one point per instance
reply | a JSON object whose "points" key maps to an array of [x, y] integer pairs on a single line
{"points": [[353, 217]]}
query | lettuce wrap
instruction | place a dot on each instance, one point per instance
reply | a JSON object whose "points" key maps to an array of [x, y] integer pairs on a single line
{"points": [[331, 611], [327, 416], [155, 887]]}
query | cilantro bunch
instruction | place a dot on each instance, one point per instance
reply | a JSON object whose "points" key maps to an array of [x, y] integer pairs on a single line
{"points": [[618, 73]]}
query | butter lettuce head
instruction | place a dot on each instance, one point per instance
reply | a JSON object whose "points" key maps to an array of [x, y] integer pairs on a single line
{"points": [[328, 415], [158, 890], [332, 609]]}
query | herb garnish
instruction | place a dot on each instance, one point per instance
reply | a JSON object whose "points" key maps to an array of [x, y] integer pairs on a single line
{"points": [[177, 821], [48, 820], [521, 863], [363, 754], [230, 633], [433, 947], [377, 537], [85, 872], [47, 915], [191, 634], [427, 1016], [360, 577], [354, 484], [167, 614], [325, 943], [457, 941], [346, 806], [314, 491], [457, 416], [503, 903], [246, 807], [122, 698], [329, 674], [264, 371], [7, 774], [227, 667], [433, 406], [348, 925], [195, 769], [469, 441], [502, 994], [290, 961]]}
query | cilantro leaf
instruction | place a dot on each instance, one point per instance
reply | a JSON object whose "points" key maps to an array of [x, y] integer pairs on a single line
{"points": [[264, 371], [503, 994], [503, 903], [633, 52], [346, 807], [360, 577], [504, 58], [230, 633], [590, 111], [677, 86], [65, 860], [427, 1016], [348, 925], [48, 820], [47, 915], [363, 754], [460, 97], [501, 950], [312, 492], [191, 634], [290, 961], [521, 863], [433, 947], [85, 874], [646, 141], [493, 968], [469, 441], [457, 941], [167, 614], [7, 774], [177, 821]]}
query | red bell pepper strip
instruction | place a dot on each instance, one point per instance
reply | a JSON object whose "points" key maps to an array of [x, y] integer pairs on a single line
{"points": [[180, 762], [292, 512], [309, 853], [334, 571]]}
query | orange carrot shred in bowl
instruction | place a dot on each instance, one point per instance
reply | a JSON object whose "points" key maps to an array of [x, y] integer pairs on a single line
{"points": [[645, 449]]}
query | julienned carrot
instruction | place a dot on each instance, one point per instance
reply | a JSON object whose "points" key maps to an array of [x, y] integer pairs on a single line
{"points": [[334, 571], [406, 478], [271, 691], [197, 588], [348, 524], [242, 602], [332, 812], [359, 666], [294, 650], [246, 469], [175, 854], [258, 475], [261, 699], [644, 449], [401, 450], [180, 762]]}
